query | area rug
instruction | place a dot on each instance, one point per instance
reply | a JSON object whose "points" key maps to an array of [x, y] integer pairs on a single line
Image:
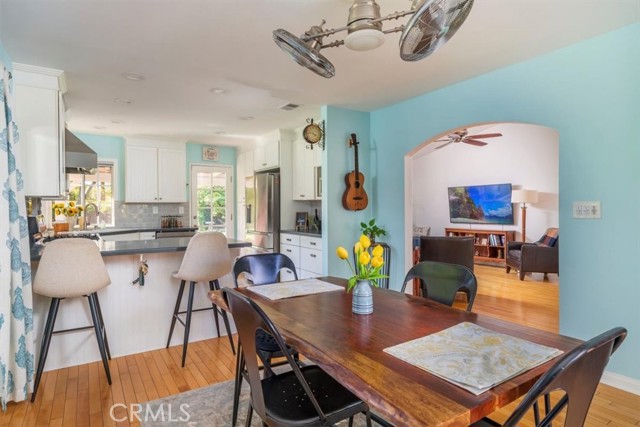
{"points": [[207, 406]]}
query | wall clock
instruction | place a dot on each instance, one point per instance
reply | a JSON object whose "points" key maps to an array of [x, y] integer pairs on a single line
{"points": [[313, 133]]}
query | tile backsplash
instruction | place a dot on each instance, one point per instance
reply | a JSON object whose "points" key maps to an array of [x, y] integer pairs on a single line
{"points": [[141, 215]]}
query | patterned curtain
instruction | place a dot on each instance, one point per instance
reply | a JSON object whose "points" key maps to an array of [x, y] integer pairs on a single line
{"points": [[16, 308]]}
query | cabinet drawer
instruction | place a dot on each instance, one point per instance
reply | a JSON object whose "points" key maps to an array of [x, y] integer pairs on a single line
{"points": [[304, 274], [311, 242], [311, 260], [292, 252], [290, 239]]}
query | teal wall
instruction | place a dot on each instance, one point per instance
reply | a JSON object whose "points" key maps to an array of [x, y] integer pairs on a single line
{"points": [[4, 58], [590, 93], [340, 226], [109, 147]]}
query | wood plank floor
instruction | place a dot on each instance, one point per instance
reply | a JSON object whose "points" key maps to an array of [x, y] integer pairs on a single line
{"points": [[80, 396]]}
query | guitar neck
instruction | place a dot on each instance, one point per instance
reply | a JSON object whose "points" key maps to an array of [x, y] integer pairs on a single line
{"points": [[355, 147]]}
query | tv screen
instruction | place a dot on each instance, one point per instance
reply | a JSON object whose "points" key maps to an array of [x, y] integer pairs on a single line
{"points": [[481, 204]]}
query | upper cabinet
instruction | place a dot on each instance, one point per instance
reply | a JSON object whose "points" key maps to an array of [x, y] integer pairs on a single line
{"points": [[155, 172], [39, 114], [269, 149], [307, 170]]}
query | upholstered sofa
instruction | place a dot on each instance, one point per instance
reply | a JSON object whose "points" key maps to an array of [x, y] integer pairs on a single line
{"points": [[538, 257]]}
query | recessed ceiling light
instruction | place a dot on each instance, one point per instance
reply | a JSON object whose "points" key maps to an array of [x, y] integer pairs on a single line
{"points": [[134, 77], [118, 122], [247, 118], [218, 91], [123, 101], [99, 127], [221, 132]]}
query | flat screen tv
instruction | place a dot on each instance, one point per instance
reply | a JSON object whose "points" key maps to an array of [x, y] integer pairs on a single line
{"points": [[481, 204]]}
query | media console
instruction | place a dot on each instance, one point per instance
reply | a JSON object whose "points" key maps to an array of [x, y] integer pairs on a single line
{"points": [[490, 246]]}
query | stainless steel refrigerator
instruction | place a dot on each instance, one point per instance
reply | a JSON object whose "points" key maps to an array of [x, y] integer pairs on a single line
{"points": [[262, 202]]}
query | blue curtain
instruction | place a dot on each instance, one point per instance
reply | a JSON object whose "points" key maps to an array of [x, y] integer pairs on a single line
{"points": [[16, 307]]}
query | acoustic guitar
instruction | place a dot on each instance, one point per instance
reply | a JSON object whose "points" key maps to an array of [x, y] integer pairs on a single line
{"points": [[354, 197]]}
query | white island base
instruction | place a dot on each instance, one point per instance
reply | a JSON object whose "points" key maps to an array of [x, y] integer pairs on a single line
{"points": [[137, 318]]}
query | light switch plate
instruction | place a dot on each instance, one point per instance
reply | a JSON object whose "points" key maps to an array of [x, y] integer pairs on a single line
{"points": [[587, 210], [155, 209]]}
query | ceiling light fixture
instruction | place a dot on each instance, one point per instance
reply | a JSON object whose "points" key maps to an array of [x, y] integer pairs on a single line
{"points": [[100, 127], [221, 132], [432, 24], [134, 77], [247, 118], [118, 122], [218, 91], [123, 101]]}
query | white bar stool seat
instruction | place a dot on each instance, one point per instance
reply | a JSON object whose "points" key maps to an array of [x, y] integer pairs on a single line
{"points": [[71, 268], [206, 259]]}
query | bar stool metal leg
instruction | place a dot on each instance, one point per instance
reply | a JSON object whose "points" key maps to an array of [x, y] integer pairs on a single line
{"points": [[215, 309], [187, 325], [225, 318], [175, 312], [102, 327], [97, 325], [46, 340]]}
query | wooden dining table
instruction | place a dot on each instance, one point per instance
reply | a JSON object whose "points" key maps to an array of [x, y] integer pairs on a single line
{"points": [[350, 348]]}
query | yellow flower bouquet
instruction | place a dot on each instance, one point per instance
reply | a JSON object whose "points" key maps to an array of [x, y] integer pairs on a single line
{"points": [[69, 209], [369, 262]]}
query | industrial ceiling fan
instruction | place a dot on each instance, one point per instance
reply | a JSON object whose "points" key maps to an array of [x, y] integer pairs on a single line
{"points": [[463, 136]]}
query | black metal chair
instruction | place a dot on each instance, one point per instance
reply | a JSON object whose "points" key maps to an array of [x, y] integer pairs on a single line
{"points": [[263, 269], [441, 281], [577, 374], [304, 396]]}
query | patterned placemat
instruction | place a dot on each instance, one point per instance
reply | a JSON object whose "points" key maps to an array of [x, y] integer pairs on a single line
{"points": [[295, 288], [473, 357]]}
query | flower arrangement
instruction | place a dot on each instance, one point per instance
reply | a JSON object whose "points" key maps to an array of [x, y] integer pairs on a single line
{"points": [[369, 261], [69, 209]]}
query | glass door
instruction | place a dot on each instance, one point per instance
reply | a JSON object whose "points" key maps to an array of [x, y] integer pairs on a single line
{"points": [[212, 198]]}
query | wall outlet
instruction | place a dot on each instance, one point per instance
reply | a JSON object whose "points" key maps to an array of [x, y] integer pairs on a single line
{"points": [[154, 209], [181, 209], [587, 210]]}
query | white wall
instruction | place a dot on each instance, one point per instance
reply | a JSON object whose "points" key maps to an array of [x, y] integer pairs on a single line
{"points": [[525, 156]]}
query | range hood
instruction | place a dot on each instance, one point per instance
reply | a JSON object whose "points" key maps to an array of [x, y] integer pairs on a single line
{"points": [[78, 157]]}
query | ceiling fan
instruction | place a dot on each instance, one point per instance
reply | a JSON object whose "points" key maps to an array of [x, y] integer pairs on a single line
{"points": [[463, 136]]}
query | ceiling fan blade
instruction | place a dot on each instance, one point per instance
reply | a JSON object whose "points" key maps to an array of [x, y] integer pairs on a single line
{"points": [[443, 140], [486, 135], [443, 145], [474, 142]]}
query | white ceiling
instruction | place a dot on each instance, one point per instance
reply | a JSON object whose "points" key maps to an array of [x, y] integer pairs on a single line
{"points": [[186, 47]]}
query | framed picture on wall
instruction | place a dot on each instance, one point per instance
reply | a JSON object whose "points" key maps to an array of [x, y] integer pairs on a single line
{"points": [[210, 153], [301, 221]]}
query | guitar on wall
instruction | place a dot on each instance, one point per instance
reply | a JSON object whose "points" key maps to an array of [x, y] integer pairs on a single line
{"points": [[354, 197]]}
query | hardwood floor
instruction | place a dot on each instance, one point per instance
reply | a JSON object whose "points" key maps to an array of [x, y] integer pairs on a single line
{"points": [[80, 396]]}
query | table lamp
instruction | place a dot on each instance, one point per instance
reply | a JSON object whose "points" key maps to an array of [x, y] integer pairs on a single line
{"points": [[523, 197]]}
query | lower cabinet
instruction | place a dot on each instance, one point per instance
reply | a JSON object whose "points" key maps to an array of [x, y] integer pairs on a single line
{"points": [[305, 252]]}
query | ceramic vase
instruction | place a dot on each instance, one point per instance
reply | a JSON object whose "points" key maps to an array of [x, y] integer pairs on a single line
{"points": [[362, 302]]}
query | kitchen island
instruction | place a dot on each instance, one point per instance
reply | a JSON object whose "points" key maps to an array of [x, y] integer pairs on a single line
{"points": [[137, 318]]}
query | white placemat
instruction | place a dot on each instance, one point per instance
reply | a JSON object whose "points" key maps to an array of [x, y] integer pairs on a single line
{"points": [[473, 357], [294, 289]]}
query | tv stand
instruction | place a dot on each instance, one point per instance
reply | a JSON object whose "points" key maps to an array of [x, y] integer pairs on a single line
{"points": [[490, 246]]}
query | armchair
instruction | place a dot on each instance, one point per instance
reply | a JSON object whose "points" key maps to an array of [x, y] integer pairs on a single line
{"points": [[538, 257]]}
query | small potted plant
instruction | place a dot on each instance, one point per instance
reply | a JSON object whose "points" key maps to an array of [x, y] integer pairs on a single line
{"points": [[368, 265], [371, 230]]}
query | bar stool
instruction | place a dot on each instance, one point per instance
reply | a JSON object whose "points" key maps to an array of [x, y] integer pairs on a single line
{"points": [[71, 268], [206, 259]]}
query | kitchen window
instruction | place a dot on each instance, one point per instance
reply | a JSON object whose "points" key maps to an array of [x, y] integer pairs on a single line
{"points": [[98, 189]]}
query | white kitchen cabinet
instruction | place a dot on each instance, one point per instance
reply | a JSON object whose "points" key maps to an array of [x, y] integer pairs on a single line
{"points": [[305, 252], [303, 172], [155, 172], [123, 237], [267, 156], [39, 114]]}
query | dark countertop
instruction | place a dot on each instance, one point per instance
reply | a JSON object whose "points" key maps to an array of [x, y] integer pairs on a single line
{"points": [[134, 247], [117, 230], [309, 233]]}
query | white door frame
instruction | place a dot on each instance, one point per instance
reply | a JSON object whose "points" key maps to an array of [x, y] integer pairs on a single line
{"points": [[230, 202]]}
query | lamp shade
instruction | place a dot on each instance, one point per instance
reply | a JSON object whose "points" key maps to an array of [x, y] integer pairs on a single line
{"points": [[524, 196]]}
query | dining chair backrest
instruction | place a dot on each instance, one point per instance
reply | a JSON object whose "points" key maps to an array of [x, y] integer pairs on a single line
{"points": [[249, 319], [577, 373], [441, 281], [263, 268]]}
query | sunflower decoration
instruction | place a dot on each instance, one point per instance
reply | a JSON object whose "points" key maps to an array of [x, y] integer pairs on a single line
{"points": [[68, 209]]}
